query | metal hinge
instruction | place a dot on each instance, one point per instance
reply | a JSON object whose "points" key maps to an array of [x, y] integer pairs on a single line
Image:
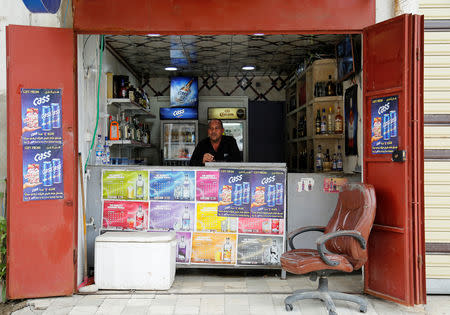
{"points": [[75, 256], [419, 260], [418, 53]]}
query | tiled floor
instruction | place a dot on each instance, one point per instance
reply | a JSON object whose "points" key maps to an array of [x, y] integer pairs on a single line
{"points": [[215, 292]]}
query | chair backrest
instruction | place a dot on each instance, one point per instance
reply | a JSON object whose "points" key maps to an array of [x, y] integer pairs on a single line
{"points": [[355, 210]]}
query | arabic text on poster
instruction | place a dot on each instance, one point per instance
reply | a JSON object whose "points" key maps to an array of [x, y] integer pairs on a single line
{"points": [[384, 113]]}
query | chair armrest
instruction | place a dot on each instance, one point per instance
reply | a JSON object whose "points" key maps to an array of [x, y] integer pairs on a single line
{"points": [[303, 230], [324, 238]]}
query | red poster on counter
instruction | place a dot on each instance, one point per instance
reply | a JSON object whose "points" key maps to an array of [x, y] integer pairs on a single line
{"points": [[261, 226], [207, 185], [125, 215]]}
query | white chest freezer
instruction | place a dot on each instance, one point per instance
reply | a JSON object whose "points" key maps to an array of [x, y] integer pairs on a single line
{"points": [[135, 260]]}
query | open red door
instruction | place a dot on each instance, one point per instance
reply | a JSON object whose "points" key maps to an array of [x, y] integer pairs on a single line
{"points": [[42, 230], [393, 116]]}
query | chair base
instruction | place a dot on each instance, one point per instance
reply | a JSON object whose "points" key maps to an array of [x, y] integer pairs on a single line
{"points": [[326, 296]]}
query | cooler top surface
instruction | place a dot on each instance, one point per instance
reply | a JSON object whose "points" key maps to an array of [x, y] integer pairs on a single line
{"points": [[136, 237]]}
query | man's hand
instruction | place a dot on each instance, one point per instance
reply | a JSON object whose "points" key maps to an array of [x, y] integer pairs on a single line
{"points": [[208, 158], [25, 129], [28, 185]]}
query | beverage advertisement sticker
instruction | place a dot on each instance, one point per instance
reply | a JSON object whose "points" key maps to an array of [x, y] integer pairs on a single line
{"points": [[183, 92], [333, 185], [261, 226], [384, 124], [178, 216], [234, 193], [125, 185], [125, 215], [208, 221], [305, 184], [259, 250], [267, 194], [172, 185], [207, 185], [42, 172], [213, 248], [184, 241], [41, 116]]}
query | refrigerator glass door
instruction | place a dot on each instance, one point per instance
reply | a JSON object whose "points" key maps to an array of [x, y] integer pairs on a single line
{"points": [[236, 130], [179, 141]]}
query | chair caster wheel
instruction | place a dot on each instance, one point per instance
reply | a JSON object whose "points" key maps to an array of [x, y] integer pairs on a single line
{"points": [[288, 307], [363, 308]]}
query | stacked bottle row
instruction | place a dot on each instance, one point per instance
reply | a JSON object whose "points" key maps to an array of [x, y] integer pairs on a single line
{"points": [[326, 162], [128, 128], [137, 95], [329, 88], [328, 122]]}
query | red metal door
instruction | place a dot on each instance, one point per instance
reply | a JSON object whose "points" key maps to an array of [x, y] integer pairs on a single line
{"points": [[41, 234], [393, 70]]}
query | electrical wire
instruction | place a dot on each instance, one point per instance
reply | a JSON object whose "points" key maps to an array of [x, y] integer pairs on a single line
{"points": [[98, 100], [65, 14]]}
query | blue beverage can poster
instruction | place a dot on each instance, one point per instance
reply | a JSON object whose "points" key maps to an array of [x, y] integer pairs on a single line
{"points": [[238, 195], [271, 196], [279, 194], [46, 118], [56, 116], [56, 171], [47, 174], [245, 193], [231, 191], [384, 124], [264, 200]]}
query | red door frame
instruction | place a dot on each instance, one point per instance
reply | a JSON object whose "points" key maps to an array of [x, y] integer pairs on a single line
{"points": [[42, 235]]}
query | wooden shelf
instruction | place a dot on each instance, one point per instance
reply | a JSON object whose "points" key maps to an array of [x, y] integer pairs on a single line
{"points": [[324, 99], [328, 137]]}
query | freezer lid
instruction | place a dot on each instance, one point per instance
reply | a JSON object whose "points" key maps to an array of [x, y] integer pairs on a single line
{"points": [[136, 237]]}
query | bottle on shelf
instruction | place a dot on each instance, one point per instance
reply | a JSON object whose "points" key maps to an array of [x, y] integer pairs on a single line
{"points": [[334, 163], [330, 88], [339, 163], [99, 151], [123, 89], [319, 159], [323, 123], [327, 161], [351, 127], [318, 122], [330, 121], [338, 122]]}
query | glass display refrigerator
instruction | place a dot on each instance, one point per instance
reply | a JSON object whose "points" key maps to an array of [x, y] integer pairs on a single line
{"points": [[179, 132]]}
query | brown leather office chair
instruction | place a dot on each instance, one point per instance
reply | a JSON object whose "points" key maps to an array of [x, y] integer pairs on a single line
{"points": [[342, 247]]}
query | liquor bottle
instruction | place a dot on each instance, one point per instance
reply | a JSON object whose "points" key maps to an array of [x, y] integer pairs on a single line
{"points": [[126, 129], [351, 127], [318, 122], [323, 123], [330, 121], [227, 250], [184, 92], [186, 188], [339, 163], [186, 220], [140, 219], [123, 89], [330, 88], [182, 249], [319, 159], [140, 187], [334, 163], [326, 161], [99, 151], [338, 122]]}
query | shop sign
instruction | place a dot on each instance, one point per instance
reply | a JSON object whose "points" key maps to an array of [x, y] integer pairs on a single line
{"points": [[226, 113], [42, 144], [384, 113], [175, 113]]}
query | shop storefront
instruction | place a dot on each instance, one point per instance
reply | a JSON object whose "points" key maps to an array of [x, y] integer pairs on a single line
{"points": [[365, 143]]}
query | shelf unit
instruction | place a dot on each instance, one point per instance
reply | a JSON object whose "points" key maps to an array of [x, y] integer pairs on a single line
{"points": [[133, 108], [128, 142], [301, 110]]}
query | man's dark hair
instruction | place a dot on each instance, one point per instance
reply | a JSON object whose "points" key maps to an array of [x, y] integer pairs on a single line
{"points": [[220, 121]]}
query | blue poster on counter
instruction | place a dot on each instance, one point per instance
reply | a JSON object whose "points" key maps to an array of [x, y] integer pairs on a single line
{"points": [[41, 116], [384, 113], [43, 172], [267, 191], [183, 92], [234, 193], [172, 185]]}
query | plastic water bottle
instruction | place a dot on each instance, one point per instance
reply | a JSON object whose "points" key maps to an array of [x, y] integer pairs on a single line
{"points": [[106, 154], [99, 151]]}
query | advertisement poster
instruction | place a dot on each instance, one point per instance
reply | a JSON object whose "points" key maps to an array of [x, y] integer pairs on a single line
{"points": [[261, 226], [172, 185], [125, 215], [178, 216], [178, 113], [384, 111], [183, 247], [351, 120], [333, 185], [42, 172], [183, 92], [213, 248], [41, 116], [259, 250], [208, 221], [125, 185], [234, 193], [207, 185], [267, 189], [305, 184]]}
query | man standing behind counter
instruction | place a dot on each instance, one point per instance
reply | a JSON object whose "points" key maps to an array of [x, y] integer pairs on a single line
{"points": [[215, 148]]}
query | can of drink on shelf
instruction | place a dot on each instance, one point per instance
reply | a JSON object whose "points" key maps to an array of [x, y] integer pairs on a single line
{"points": [[245, 193], [279, 194], [386, 123], [238, 195], [47, 173], [271, 196], [393, 123], [46, 118], [56, 116], [57, 171]]}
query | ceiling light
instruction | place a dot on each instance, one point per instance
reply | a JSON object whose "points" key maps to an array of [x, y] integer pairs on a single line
{"points": [[258, 34], [153, 35], [248, 68], [171, 68]]}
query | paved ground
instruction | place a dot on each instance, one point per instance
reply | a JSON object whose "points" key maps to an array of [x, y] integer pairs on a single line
{"points": [[223, 292]]}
